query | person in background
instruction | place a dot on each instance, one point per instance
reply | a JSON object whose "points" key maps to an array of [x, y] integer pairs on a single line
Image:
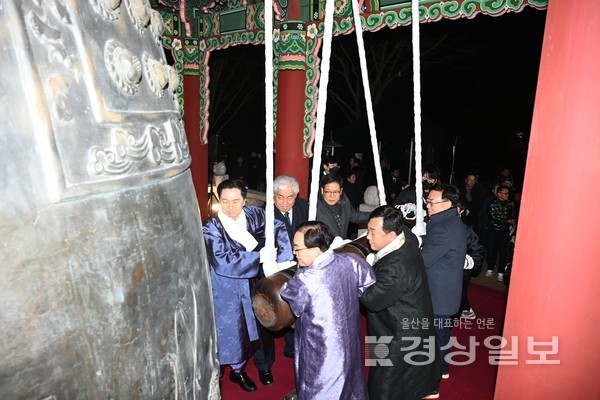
{"points": [[323, 295], [511, 189], [401, 291], [396, 186], [475, 254], [239, 170], [501, 215], [235, 239], [444, 250], [351, 190], [257, 171], [292, 211], [504, 175], [431, 177], [472, 199], [330, 165], [484, 214], [334, 209], [358, 170]]}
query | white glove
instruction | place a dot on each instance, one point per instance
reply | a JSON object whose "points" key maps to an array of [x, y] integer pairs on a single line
{"points": [[272, 267], [469, 262], [267, 255], [338, 241], [415, 229], [408, 208]]}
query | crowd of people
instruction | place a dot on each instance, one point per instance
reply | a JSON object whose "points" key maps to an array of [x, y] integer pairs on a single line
{"points": [[250, 169], [423, 279]]}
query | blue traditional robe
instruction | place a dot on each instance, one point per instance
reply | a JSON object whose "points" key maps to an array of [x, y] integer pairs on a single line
{"points": [[231, 269], [324, 297]]}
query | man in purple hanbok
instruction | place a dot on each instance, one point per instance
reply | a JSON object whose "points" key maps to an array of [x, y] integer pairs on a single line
{"points": [[324, 294], [235, 249]]}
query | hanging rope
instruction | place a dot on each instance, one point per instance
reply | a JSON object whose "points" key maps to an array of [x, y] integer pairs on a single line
{"points": [[419, 228], [368, 101], [321, 106], [271, 266]]}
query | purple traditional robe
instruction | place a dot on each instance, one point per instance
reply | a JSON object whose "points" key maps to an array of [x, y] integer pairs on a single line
{"points": [[231, 268], [324, 297]]}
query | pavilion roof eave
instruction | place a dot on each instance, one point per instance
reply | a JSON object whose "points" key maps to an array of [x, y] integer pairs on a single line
{"points": [[200, 19]]}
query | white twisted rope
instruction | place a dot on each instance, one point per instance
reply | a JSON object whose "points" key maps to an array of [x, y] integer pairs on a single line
{"points": [[364, 72], [322, 102], [419, 228], [270, 266]]}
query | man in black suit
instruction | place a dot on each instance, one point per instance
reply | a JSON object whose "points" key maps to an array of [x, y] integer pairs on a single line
{"points": [[401, 292], [444, 250], [291, 210]]}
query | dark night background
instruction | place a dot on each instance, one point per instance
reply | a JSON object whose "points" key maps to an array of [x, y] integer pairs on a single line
{"points": [[477, 91]]}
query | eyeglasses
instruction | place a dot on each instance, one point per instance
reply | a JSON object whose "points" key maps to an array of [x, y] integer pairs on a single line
{"points": [[335, 192], [431, 202], [303, 248], [504, 193]]}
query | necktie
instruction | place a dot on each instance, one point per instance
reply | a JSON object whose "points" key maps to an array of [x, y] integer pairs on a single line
{"points": [[287, 219]]}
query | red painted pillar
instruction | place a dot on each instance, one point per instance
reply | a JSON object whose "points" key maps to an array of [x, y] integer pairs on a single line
{"points": [[290, 124], [556, 273], [289, 141], [198, 150]]}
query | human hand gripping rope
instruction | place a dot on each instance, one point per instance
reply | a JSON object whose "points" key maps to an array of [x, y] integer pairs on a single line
{"points": [[268, 259]]}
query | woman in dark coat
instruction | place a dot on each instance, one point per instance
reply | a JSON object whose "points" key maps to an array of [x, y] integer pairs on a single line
{"points": [[399, 307]]}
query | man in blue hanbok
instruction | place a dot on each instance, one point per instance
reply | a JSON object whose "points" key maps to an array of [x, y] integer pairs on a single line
{"points": [[324, 294], [235, 249]]}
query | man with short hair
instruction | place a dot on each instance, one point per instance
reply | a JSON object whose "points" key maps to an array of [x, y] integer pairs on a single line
{"points": [[473, 197], [235, 239], [323, 295], [444, 249], [501, 216], [291, 210], [431, 177], [330, 165], [334, 208], [401, 291]]}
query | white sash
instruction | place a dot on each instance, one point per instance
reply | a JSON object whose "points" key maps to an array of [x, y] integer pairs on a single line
{"points": [[238, 230]]}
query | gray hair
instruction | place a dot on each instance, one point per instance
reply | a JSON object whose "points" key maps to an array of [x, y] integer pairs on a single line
{"points": [[284, 182]]}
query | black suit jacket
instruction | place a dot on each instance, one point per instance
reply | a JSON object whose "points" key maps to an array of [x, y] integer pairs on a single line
{"points": [[299, 215], [401, 291]]}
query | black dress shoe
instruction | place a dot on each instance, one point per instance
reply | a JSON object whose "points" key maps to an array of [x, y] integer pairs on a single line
{"points": [[243, 380], [266, 377]]}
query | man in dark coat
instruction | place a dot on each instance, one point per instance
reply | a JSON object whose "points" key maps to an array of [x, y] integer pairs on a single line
{"points": [[444, 250], [472, 200], [431, 177], [334, 209], [401, 292]]}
